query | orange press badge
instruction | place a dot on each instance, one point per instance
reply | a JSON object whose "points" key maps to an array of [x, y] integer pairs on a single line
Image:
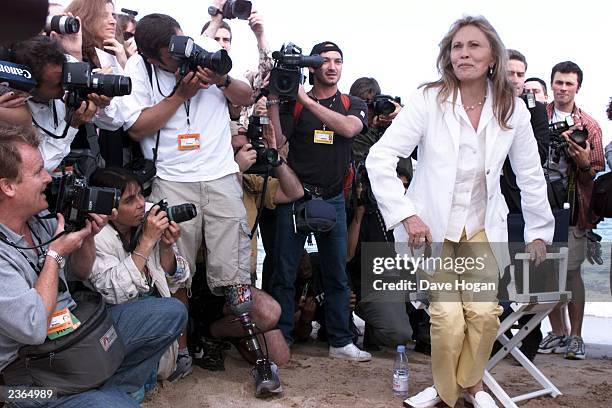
{"points": [[324, 137], [60, 320], [189, 141]]}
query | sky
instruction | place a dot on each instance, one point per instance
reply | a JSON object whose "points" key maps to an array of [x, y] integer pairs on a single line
{"points": [[396, 41]]}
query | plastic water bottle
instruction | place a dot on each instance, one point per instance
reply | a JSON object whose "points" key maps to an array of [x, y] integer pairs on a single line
{"points": [[400, 372]]}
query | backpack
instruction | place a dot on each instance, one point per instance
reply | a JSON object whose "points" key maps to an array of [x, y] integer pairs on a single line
{"points": [[601, 199]]}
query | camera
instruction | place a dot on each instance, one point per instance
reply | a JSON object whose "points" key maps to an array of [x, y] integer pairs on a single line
{"points": [[240, 9], [266, 157], [79, 81], [62, 24], [367, 198], [75, 199], [286, 76], [178, 213], [383, 104], [192, 56], [558, 143], [16, 76]]}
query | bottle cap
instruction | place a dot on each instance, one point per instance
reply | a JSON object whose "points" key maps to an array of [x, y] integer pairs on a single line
{"points": [[401, 348]]}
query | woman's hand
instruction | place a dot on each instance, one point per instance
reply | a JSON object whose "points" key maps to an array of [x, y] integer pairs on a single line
{"points": [[418, 232], [537, 251]]}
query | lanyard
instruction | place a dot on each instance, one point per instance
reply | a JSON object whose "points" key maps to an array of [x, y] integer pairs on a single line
{"points": [[55, 120], [186, 104], [329, 107]]}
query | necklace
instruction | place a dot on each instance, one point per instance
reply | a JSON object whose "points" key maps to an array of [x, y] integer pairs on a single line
{"points": [[472, 107]]}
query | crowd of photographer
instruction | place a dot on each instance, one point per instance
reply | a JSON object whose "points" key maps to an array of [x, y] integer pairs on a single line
{"points": [[104, 113]]}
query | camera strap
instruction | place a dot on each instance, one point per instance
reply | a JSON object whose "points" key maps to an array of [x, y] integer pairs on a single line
{"points": [[261, 202], [55, 119]]}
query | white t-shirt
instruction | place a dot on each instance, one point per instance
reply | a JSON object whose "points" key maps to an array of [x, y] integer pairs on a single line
{"points": [[557, 171], [208, 117]]}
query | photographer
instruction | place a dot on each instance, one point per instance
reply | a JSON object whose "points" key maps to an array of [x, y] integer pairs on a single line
{"points": [[33, 282], [56, 123], [537, 87], [571, 168], [136, 257], [283, 186], [320, 146]]}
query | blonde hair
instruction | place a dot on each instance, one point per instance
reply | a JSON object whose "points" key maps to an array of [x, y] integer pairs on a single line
{"points": [[503, 91]]}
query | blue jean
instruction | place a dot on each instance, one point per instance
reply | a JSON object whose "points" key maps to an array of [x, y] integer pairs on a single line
{"points": [[147, 328], [332, 252]]}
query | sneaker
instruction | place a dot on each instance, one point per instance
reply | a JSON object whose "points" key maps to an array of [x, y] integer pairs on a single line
{"points": [[349, 352], [183, 368], [575, 349], [553, 344], [427, 398], [209, 354], [480, 400]]}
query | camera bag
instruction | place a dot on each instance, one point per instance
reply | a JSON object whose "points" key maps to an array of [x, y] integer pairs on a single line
{"points": [[79, 361], [601, 199], [314, 215]]}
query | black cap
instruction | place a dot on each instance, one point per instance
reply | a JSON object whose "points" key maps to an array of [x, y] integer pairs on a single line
{"points": [[324, 46]]}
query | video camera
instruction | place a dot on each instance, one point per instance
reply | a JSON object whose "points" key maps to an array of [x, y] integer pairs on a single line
{"points": [[178, 213], [79, 81], [16, 76], [74, 199], [558, 143], [383, 104], [286, 76], [62, 24], [240, 9], [192, 56], [266, 157]]}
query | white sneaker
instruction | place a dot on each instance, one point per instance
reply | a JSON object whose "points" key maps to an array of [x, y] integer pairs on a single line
{"points": [[349, 352], [480, 400], [427, 398]]}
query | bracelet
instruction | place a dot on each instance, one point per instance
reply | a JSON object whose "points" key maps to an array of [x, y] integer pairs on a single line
{"points": [[140, 255], [271, 102]]}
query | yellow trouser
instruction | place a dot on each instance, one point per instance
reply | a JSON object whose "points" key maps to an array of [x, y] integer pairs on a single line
{"points": [[464, 322]]}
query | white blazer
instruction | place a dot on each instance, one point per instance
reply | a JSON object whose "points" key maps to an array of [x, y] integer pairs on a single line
{"points": [[435, 129]]}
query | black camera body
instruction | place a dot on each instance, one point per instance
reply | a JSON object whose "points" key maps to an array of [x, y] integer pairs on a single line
{"points": [[367, 198], [240, 9], [558, 143], [192, 56], [383, 104], [62, 24], [286, 76], [75, 199], [266, 157], [79, 81], [178, 213], [16, 76]]}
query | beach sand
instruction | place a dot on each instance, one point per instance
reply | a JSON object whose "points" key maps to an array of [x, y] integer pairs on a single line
{"points": [[312, 379]]}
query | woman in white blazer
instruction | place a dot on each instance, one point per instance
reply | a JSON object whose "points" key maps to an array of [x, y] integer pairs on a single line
{"points": [[465, 125]]}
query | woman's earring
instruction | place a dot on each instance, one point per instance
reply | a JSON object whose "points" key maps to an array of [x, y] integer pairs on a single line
{"points": [[491, 70]]}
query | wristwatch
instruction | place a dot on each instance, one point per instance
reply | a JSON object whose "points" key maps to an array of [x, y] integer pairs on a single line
{"points": [[213, 11], [61, 261], [228, 81]]}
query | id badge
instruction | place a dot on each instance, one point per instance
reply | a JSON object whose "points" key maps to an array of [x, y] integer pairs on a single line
{"points": [[189, 141], [60, 320], [324, 137]]}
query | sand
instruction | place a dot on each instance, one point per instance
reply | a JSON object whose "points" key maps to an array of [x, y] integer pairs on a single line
{"points": [[312, 379]]}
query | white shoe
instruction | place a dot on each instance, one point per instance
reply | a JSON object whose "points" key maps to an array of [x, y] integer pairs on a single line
{"points": [[349, 352], [480, 400], [427, 398]]}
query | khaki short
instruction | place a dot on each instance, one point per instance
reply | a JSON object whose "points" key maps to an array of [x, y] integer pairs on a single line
{"points": [[220, 225], [576, 243]]}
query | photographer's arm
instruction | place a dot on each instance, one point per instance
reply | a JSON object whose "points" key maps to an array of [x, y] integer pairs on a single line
{"points": [[274, 116], [82, 259], [215, 21], [345, 125], [290, 188], [154, 118], [166, 253], [237, 92]]}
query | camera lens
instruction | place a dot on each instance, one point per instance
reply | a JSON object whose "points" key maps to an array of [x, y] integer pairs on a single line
{"points": [[111, 85], [383, 107], [181, 213], [62, 24], [220, 62]]}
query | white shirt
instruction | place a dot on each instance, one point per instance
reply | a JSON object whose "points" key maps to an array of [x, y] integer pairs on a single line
{"points": [[208, 117], [469, 200], [54, 150], [557, 171]]}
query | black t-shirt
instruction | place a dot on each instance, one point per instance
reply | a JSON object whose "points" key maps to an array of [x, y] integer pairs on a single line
{"points": [[323, 165]]}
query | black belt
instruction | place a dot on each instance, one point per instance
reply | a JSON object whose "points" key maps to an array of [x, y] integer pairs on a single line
{"points": [[323, 192]]}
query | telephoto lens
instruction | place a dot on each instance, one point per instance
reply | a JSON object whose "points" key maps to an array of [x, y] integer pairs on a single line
{"points": [[111, 85], [181, 213], [62, 24]]}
